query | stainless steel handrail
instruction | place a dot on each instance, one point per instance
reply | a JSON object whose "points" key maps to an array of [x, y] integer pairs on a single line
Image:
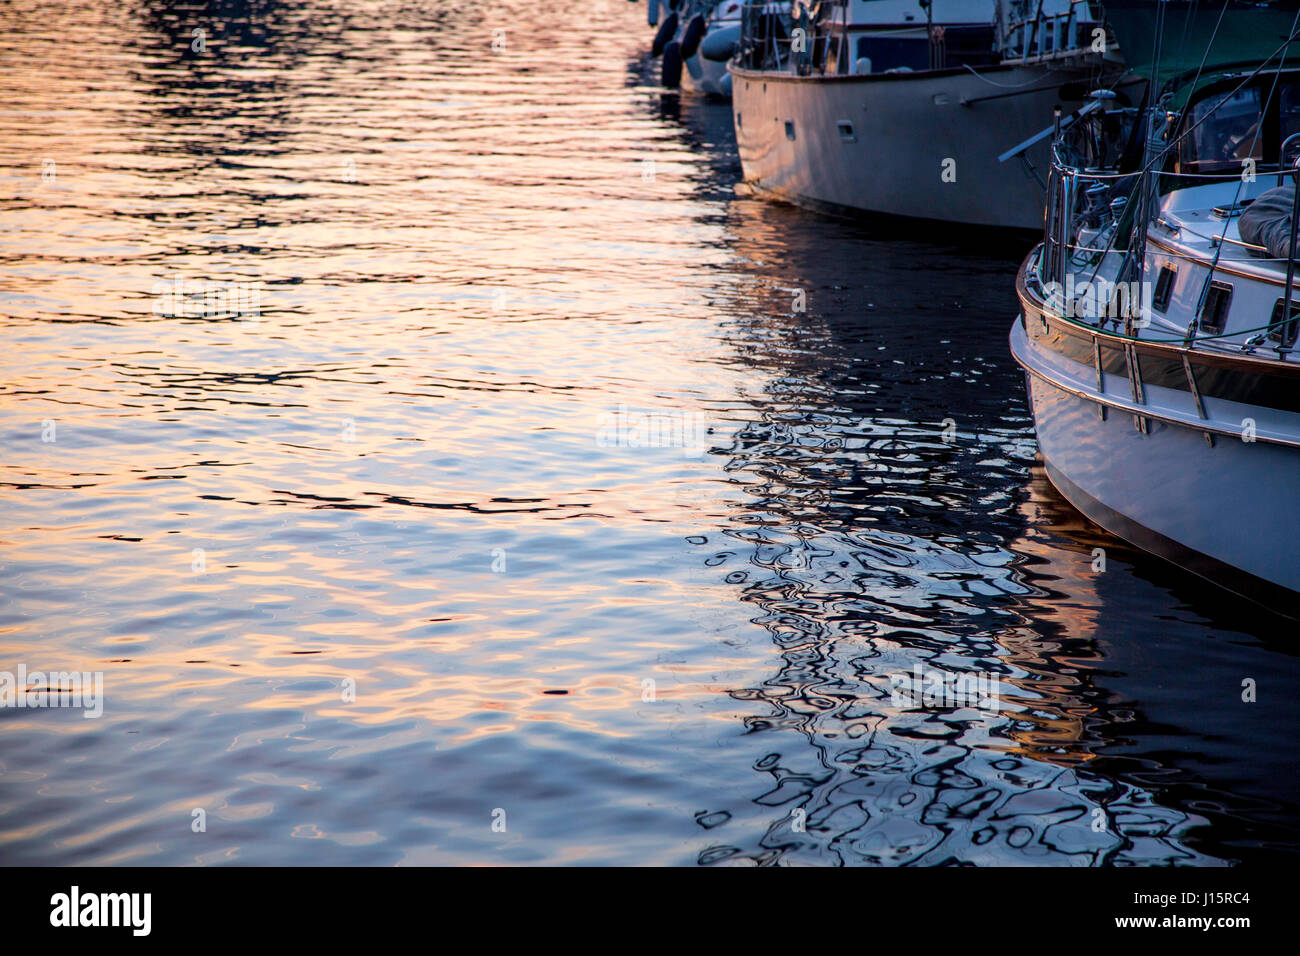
{"points": [[1065, 217], [1031, 40]]}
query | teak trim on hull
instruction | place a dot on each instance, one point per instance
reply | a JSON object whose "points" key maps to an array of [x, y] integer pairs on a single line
{"points": [[1220, 267], [1245, 379]]}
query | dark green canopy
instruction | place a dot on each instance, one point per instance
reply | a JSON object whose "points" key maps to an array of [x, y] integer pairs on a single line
{"points": [[1243, 34]]}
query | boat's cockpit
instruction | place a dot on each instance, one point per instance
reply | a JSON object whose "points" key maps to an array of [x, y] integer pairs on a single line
{"points": [[1182, 205]]}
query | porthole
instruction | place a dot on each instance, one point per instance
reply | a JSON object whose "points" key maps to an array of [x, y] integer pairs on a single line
{"points": [[1214, 313], [1164, 288], [1284, 333]]}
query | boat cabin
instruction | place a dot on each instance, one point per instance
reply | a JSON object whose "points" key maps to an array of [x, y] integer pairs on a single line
{"points": [[901, 36]]}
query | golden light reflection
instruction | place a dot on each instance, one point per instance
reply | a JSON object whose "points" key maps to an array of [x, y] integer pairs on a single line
{"points": [[1059, 688]]}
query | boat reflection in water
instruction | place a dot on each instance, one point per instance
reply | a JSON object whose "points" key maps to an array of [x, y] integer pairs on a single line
{"points": [[890, 515]]}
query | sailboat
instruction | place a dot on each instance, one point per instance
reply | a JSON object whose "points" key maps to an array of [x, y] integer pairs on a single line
{"points": [[1159, 317]]}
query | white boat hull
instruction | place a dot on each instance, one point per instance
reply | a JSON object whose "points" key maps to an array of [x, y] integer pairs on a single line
{"points": [[1222, 507], [707, 77], [912, 148]]}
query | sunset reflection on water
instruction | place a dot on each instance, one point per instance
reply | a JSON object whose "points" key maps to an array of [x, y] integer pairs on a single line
{"points": [[389, 482]]}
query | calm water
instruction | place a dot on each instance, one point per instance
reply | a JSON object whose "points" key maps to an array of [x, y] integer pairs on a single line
{"points": [[400, 477]]}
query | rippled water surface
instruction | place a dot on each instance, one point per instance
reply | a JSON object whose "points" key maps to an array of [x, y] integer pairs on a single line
{"points": [[402, 476]]}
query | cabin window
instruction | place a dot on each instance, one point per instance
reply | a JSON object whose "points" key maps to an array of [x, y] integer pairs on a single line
{"points": [[1214, 313], [789, 129], [1164, 289], [1284, 333], [846, 131], [1224, 131], [1288, 112], [963, 45], [894, 53]]}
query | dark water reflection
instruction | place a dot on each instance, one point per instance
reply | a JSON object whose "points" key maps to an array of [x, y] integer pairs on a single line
{"points": [[467, 260], [872, 537]]}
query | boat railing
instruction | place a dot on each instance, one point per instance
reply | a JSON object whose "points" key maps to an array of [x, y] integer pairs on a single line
{"points": [[775, 38], [1097, 213], [771, 38], [761, 45], [1045, 36]]}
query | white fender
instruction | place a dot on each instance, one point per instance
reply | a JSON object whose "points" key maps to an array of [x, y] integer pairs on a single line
{"points": [[718, 45]]}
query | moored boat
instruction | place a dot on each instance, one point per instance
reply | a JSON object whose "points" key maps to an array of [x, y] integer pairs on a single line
{"points": [[930, 110], [695, 41], [706, 60], [1159, 317]]}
